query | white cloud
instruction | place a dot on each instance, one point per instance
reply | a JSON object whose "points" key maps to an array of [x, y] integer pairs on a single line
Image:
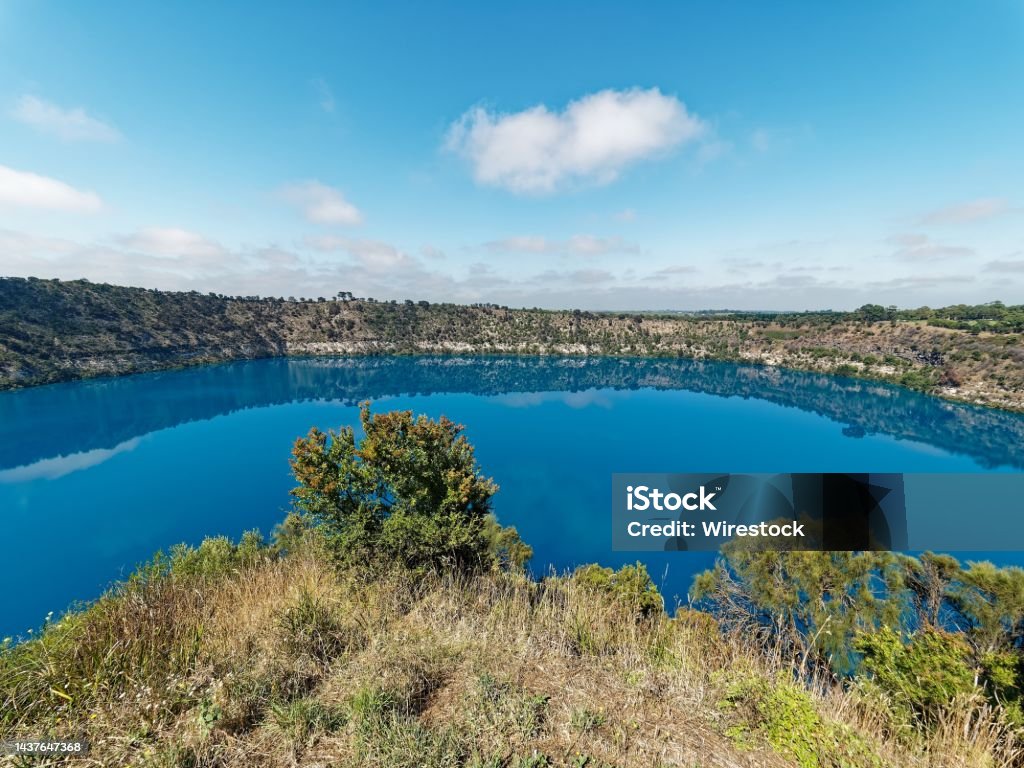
{"points": [[589, 245], [781, 275], [577, 245], [973, 210], [593, 140], [68, 124], [373, 255], [625, 215], [171, 241], [30, 190], [322, 204], [520, 244]]}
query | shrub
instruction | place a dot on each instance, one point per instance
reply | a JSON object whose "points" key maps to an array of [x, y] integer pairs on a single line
{"points": [[410, 493], [631, 585], [921, 676], [217, 556], [785, 716]]}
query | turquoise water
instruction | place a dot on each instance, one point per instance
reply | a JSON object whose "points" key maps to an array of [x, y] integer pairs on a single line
{"points": [[95, 476]]}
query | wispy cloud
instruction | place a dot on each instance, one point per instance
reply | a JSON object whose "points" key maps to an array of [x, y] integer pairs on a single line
{"points": [[973, 210], [761, 140], [30, 190], [671, 273], [172, 241], [574, 277], [577, 245], [325, 95], [712, 150], [386, 271], [1006, 265], [73, 124], [322, 204], [374, 255], [918, 247], [590, 245], [593, 140]]}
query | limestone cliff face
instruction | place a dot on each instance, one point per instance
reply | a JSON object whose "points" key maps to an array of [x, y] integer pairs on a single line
{"points": [[56, 331]]}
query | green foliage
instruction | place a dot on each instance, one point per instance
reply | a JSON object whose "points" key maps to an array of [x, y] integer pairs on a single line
{"points": [[300, 719], [631, 585], [785, 716], [886, 620], [585, 720], [994, 317], [1002, 672], [372, 705], [298, 534], [922, 676], [504, 543], [810, 604], [216, 556], [923, 379], [410, 493], [209, 713]]}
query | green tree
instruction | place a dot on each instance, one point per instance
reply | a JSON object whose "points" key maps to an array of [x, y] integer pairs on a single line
{"points": [[921, 630], [409, 492], [806, 605]]}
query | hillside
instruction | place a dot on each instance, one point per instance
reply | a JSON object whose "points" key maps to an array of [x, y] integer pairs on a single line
{"points": [[390, 623], [55, 331], [237, 657]]}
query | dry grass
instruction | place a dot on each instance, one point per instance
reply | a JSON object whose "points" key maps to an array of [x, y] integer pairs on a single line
{"points": [[288, 663]]}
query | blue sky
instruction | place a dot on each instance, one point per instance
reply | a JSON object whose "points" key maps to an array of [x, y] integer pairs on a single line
{"points": [[600, 155]]}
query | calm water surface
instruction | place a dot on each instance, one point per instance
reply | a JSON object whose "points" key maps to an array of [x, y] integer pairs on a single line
{"points": [[96, 476]]}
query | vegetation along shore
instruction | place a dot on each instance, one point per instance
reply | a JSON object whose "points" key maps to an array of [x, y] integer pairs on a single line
{"points": [[53, 330]]}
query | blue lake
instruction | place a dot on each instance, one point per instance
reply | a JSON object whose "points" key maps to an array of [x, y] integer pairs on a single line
{"points": [[96, 476]]}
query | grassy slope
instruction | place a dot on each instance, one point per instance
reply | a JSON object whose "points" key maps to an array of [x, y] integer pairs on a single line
{"points": [[53, 331], [266, 661]]}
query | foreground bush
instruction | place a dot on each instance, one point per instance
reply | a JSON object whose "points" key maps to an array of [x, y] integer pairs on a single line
{"points": [[410, 492], [631, 585]]}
